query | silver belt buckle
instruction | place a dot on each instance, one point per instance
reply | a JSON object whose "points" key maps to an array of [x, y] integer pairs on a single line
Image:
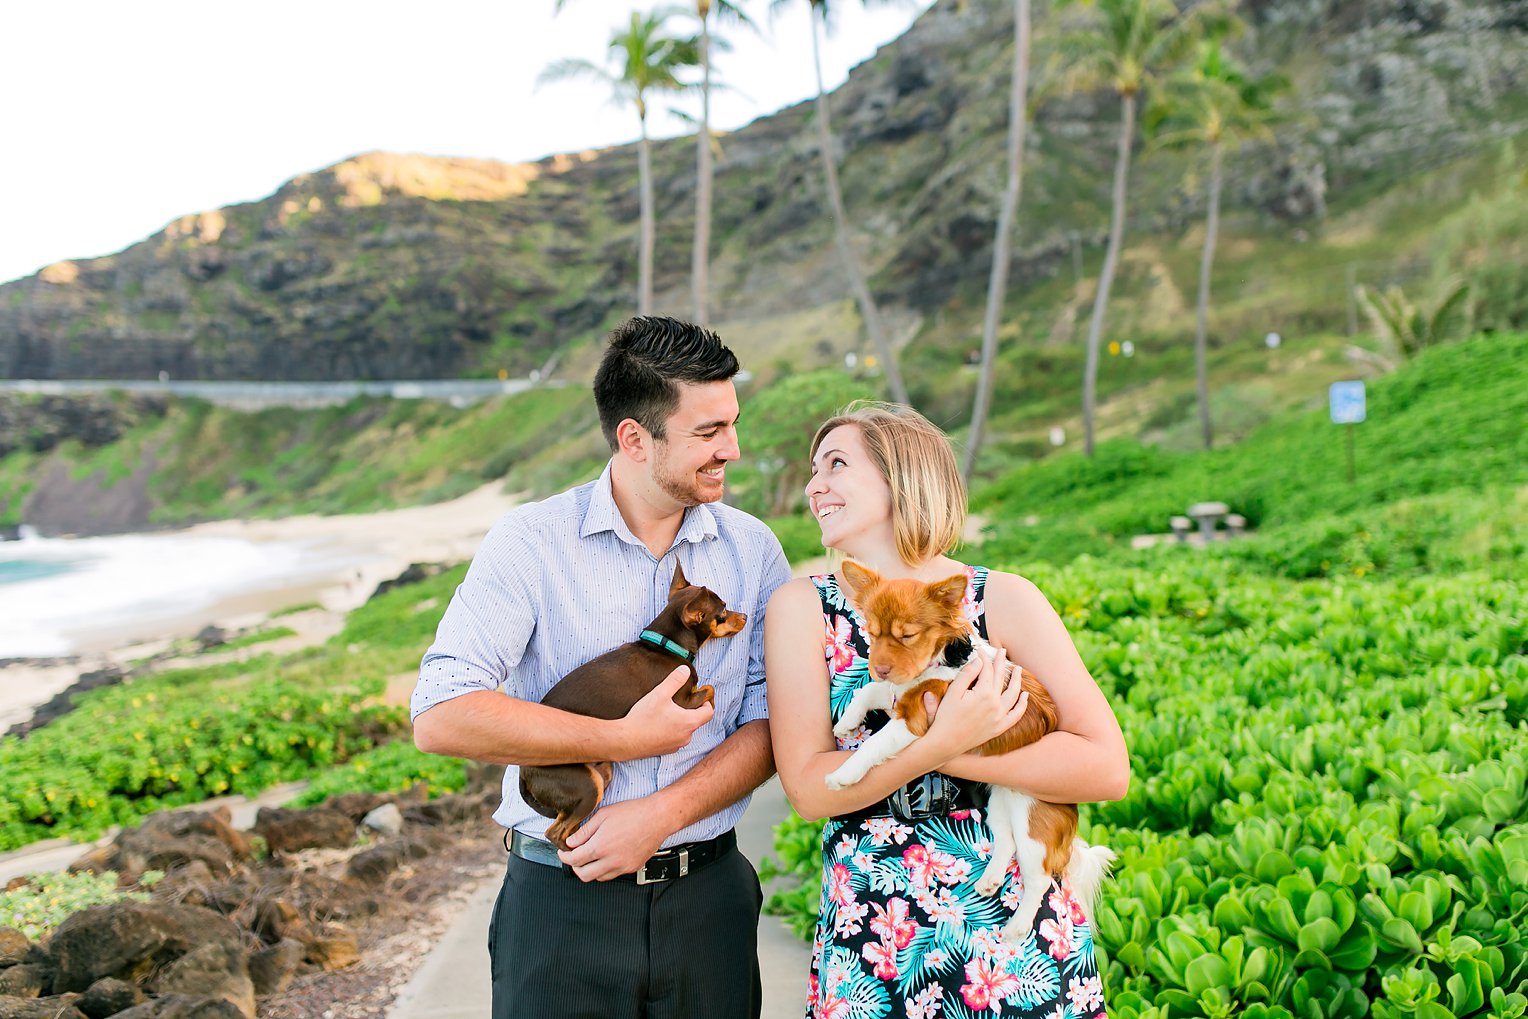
{"points": [[684, 868]]}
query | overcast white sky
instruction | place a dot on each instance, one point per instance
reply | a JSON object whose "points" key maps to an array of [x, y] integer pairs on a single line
{"points": [[120, 117]]}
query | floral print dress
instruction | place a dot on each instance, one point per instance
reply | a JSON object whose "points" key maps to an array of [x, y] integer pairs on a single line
{"points": [[902, 931]]}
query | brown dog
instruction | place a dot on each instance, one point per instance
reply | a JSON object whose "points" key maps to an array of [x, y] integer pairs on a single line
{"points": [[609, 685]]}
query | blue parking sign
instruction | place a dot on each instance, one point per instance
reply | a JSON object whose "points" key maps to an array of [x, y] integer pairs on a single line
{"points": [[1347, 402]]}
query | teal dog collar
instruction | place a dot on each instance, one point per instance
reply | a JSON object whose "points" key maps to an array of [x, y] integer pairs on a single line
{"points": [[658, 640]]}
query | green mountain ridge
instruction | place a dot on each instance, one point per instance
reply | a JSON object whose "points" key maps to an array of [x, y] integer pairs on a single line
{"points": [[390, 266]]}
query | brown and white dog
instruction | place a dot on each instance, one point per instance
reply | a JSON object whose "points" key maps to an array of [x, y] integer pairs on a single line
{"points": [[919, 639]]}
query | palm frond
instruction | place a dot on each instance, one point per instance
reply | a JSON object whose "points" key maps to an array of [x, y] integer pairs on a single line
{"points": [[1452, 319], [570, 68]]}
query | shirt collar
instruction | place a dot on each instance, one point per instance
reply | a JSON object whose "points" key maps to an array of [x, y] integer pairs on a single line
{"points": [[602, 514]]}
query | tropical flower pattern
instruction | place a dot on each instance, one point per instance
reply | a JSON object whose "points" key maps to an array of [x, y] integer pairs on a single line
{"points": [[902, 932]]}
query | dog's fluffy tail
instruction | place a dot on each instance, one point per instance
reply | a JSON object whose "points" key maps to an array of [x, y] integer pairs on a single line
{"points": [[1086, 872]]}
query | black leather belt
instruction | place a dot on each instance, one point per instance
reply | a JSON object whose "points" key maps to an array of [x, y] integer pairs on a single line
{"points": [[925, 796], [664, 865]]}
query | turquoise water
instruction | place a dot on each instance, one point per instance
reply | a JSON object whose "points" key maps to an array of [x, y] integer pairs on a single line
{"points": [[16, 570]]}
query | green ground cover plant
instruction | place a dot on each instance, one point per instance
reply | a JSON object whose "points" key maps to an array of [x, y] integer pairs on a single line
{"points": [[390, 768], [41, 902], [183, 736]]}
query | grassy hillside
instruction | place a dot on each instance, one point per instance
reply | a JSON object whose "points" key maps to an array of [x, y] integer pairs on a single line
{"points": [[199, 461], [1450, 421]]}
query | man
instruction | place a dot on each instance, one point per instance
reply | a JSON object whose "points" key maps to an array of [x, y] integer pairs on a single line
{"points": [[615, 927]]}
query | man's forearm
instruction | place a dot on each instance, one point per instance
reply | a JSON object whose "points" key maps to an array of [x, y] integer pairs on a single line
{"points": [[740, 764], [491, 727]]}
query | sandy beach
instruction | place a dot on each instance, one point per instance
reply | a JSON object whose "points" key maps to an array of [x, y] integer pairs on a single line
{"points": [[334, 562]]}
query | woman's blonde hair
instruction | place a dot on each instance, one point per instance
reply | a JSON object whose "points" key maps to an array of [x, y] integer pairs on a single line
{"points": [[928, 495]]}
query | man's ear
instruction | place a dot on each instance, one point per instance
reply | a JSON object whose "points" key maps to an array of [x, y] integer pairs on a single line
{"points": [[632, 440]]}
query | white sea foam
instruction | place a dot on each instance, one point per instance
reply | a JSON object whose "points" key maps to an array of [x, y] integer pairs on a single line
{"points": [[138, 583]]}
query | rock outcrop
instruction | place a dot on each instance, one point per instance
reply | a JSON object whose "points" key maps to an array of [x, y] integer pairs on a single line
{"points": [[222, 928]]}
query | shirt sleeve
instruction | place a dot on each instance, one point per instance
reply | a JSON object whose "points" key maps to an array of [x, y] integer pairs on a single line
{"points": [[776, 571], [488, 625]]}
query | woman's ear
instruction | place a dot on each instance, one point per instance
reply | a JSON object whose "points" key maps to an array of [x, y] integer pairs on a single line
{"points": [[632, 440]]}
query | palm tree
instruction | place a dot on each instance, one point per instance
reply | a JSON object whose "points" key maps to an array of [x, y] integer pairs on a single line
{"points": [[1134, 43], [821, 12], [1213, 104], [997, 283], [646, 60], [700, 262]]}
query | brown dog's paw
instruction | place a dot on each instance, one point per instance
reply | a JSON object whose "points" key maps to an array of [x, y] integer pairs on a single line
{"points": [[560, 829]]}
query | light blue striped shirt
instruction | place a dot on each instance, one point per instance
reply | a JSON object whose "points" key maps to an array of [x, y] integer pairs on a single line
{"points": [[558, 582]]}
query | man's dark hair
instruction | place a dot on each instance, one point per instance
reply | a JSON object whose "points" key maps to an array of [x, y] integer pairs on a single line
{"points": [[646, 360]]}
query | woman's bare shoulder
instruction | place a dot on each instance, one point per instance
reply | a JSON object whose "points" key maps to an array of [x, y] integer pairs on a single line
{"points": [[794, 593]]}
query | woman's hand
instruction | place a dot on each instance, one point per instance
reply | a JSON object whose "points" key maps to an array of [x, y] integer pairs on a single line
{"points": [[980, 704]]}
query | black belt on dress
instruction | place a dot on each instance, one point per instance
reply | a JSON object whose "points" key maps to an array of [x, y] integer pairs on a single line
{"points": [[925, 796], [664, 865]]}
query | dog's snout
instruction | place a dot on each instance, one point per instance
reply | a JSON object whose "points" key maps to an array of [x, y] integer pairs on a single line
{"points": [[882, 671]]}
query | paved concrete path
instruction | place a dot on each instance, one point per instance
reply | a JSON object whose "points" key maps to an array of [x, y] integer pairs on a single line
{"points": [[452, 983]]}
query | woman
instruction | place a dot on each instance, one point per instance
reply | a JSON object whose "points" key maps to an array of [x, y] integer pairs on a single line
{"points": [[902, 931]]}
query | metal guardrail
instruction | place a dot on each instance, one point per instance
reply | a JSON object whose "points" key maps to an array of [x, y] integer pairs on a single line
{"points": [[285, 394]]}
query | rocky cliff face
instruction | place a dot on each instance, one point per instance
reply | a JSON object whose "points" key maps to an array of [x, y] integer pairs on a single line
{"points": [[388, 266]]}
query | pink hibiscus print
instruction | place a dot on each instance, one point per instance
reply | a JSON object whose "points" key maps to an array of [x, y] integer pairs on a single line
{"points": [[927, 1003], [847, 922], [921, 869], [947, 909], [1085, 994], [886, 830], [837, 647], [892, 923], [884, 956], [831, 1007], [989, 944], [1063, 902], [987, 986], [925, 866], [840, 887], [1059, 934]]}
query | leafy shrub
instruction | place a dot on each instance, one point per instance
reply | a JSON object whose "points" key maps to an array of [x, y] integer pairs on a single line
{"points": [[390, 768], [127, 751], [37, 903]]}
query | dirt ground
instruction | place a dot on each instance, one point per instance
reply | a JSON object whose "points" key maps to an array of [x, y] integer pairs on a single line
{"points": [[421, 899]]}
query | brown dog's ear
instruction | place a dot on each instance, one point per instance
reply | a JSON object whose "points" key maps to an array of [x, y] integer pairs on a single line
{"points": [[858, 578], [697, 609], [678, 583], [949, 592]]}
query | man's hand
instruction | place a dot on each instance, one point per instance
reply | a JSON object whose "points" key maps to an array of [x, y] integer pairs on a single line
{"points": [[618, 839], [655, 725]]}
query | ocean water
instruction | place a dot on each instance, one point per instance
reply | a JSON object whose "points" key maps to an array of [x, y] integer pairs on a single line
{"points": [[59, 596], [17, 570]]}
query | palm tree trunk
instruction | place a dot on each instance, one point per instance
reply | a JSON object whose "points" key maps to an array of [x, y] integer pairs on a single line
{"points": [[861, 292], [997, 284], [645, 249], [700, 262], [1211, 228], [1111, 262]]}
